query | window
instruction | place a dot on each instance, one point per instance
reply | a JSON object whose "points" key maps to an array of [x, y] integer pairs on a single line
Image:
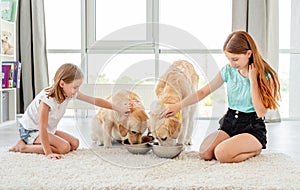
{"points": [[284, 56], [125, 44], [131, 45], [289, 58], [63, 30], [116, 37], [121, 14], [198, 18]]}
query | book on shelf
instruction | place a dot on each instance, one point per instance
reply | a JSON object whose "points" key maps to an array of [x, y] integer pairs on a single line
{"points": [[6, 9], [5, 75], [14, 10], [14, 73]]}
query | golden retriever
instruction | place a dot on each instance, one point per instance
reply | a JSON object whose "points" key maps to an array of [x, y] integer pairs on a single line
{"points": [[178, 82], [108, 124]]}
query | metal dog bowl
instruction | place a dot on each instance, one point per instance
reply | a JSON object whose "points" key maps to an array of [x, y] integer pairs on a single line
{"points": [[138, 148], [167, 151], [142, 148]]}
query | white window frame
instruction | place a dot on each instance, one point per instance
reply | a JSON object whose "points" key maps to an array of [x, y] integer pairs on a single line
{"points": [[91, 46]]}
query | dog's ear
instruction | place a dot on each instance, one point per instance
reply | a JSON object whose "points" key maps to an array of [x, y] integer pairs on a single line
{"points": [[123, 130], [160, 87], [173, 127], [132, 109], [140, 115], [133, 96], [154, 134]]}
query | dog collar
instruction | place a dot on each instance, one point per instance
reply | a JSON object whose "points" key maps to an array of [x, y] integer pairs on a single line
{"points": [[178, 115]]}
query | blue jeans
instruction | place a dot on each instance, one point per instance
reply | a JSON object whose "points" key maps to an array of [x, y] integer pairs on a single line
{"points": [[28, 136]]}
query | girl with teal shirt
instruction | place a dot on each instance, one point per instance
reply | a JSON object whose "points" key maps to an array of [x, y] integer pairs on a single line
{"points": [[252, 88]]}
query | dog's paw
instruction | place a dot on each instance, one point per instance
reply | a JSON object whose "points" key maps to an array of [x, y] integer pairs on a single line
{"points": [[96, 139], [107, 146], [188, 142], [99, 143]]}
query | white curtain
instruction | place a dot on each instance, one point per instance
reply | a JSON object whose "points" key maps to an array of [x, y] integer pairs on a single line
{"points": [[294, 100], [260, 19], [32, 50]]}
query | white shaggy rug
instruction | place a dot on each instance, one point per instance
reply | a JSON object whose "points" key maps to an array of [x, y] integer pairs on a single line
{"points": [[118, 169]]}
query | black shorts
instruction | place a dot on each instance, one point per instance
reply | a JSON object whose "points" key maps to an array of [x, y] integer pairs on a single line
{"points": [[235, 122]]}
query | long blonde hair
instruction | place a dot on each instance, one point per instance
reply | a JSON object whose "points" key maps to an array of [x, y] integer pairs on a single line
{"points": [[239, 42], [67, 72]]}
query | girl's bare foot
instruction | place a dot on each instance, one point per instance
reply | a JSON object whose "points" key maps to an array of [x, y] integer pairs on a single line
{"points": [[18, 147]]}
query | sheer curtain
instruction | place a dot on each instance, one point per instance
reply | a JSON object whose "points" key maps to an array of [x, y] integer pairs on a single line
{"points": [[294, 93], [260, 19], [32, 50]]}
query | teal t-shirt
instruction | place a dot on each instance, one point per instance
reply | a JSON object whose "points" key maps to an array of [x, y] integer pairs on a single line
{"points": [[238, 90]]}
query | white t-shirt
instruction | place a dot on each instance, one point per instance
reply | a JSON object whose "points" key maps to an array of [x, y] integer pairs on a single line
{"points": [[30, 119]]}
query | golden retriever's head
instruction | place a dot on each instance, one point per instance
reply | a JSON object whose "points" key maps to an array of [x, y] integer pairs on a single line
{"points": [[135, 126], [165, 130]]}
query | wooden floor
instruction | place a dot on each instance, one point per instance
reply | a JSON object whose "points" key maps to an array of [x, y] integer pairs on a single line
{"points": [[283, 137]]}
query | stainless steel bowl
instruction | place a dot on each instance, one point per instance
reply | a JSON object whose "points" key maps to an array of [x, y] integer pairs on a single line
{"points": [[138, 148], [167, 151]]}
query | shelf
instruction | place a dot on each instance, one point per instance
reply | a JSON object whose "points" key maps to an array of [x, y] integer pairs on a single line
{"points": [[7, 56], [8, 100], [7, 89], [8, 106]]}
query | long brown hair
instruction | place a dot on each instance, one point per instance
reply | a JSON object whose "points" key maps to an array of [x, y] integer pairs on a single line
{"points": [[67, 72], [239, 42]]}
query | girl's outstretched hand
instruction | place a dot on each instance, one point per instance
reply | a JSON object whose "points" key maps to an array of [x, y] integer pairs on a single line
{"points": [[124, 110], [54, 156], [170, 110]]}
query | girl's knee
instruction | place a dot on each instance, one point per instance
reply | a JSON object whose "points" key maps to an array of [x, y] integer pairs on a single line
{"points": [[64, 148], [221, 154], [75, 144], [206, 154]]}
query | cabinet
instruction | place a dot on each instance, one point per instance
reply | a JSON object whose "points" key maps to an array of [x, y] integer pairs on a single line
{"points": [[8, 105]]}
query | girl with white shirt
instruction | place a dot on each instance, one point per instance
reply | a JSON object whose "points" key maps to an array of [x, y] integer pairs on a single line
{"points": [[38, 126]]}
